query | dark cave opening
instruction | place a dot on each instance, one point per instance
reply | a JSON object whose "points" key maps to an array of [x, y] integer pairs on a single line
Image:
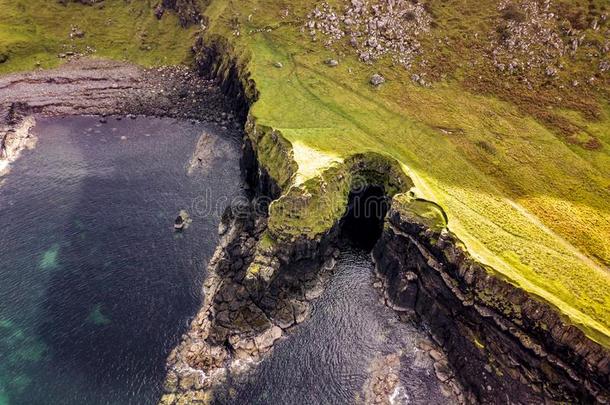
{"points": [[362, 225]]}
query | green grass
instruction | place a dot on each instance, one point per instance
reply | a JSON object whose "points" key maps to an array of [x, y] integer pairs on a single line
{"points": [[522, 199], [35, 31]]}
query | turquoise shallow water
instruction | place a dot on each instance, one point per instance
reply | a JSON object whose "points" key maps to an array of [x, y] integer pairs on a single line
{"points": [[95, 286]]}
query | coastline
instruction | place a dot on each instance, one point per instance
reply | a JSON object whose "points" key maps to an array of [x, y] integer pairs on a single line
{"points": [[102, 87], [553, 359], [547, 347]]}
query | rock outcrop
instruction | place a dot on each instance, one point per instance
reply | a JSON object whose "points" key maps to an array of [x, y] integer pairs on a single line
{"points": [[504, 344], [15, 135], [501, 344], [187, 10]]}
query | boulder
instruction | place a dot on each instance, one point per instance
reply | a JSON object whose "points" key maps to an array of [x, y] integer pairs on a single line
{"points": [[377, 80]]}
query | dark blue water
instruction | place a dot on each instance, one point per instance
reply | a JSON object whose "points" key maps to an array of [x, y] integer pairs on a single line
{"points": [[95, 286], [335, 355]]}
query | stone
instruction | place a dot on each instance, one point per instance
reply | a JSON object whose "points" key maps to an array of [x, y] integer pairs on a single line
{"points": [[168, 399], [191, 380], [265, 340], [550, 71], [278, 65], [301, 311], [171, 382], [77, 33], [284, 316], [314, 291], [442, 371], [3, 57], [332, 62], [377, 80], [436, 355]]}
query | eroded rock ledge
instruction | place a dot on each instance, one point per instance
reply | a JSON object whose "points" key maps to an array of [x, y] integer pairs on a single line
{"points": [[233, 329]]}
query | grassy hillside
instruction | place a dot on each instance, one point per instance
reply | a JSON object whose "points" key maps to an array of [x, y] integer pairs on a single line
{"points": [[34, 32], [521, 167], [498, 110]]}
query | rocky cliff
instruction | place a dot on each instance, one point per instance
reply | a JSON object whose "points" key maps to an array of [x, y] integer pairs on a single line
{"points": [[503, 345]]}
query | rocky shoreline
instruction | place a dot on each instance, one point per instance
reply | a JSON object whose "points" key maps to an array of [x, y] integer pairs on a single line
{"points": [[504, 344], [101, 87], [232, 331]]}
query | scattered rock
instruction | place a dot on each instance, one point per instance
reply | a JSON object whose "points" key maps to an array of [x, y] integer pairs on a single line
{"points": [[278, 65], [332, 62], [375, 29], [75, 32], [377, 80]]}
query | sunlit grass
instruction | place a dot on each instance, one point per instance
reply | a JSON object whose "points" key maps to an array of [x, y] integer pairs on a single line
{"points": [[521, 199]]}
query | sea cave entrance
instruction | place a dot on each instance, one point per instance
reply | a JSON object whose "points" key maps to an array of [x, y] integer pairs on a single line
{"points": [[362, 224]]}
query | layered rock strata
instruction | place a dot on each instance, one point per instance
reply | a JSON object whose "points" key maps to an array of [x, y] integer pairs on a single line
{"points": [[504, 345], [98, 87]]}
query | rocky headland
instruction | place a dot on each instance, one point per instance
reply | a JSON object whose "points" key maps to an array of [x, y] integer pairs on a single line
{"points": [[491, 341]]}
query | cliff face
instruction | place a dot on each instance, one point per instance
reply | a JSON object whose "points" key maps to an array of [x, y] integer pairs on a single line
{"points": [[503, 344]]}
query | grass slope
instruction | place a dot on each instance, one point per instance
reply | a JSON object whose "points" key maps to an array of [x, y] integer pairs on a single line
{"points": [[35, 31], [522, 198]]}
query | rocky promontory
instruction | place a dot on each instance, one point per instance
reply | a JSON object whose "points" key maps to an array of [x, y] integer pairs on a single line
{"points": [[493, 342]]}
